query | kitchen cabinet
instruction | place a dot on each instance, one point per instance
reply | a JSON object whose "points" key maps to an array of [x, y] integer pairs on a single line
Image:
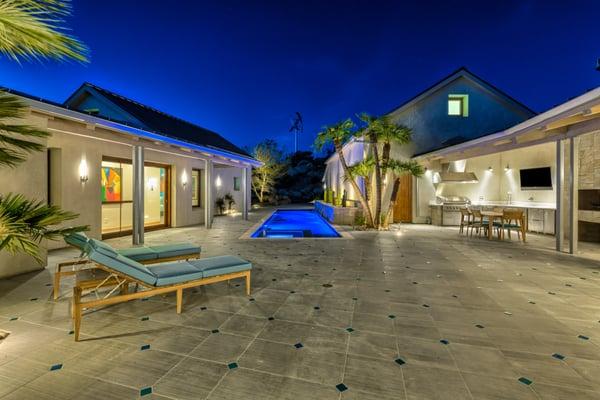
{"points": [[540, 220]]}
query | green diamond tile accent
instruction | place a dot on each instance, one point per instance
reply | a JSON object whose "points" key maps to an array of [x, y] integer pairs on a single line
{"points": [[145, 318], [215, 331], [145, 347], [145, 391], [350, 329], [55, 367], [399, 361], [525, 381], [480, 326], [583, 337], [298, 345], [341, 387], [232, 365], [391, 316], [444, 341], [13, 318], [558, 356]]}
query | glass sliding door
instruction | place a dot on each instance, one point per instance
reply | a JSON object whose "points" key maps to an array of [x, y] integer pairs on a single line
{"points": [[117, 196]]}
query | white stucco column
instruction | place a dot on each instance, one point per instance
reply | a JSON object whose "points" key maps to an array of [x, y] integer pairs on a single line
{"points": [[573, 194], [208, 193], [560, 170], [246, 176], [138, 194]]}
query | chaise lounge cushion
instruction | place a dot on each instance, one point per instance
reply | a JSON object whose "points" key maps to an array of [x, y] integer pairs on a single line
{"points": [[142, 253], [176, 250], [103, 255], [77, 239], [221, 265], [176, 272]]}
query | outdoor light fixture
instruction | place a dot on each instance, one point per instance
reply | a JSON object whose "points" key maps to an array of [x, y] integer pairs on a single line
{"points": [[490, 169], [152, 184], [184, 178], [507, 168], [83, 171], [218, 181]]}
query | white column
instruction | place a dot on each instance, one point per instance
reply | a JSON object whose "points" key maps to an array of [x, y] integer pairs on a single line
{"points": [[208, 193], [560, 169], [573, 194], [246, 190], [138, 194]]}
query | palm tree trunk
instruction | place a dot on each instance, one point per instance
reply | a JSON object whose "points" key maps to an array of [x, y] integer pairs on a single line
{"points": [[365, 205], [378, 187], [392, 204]]}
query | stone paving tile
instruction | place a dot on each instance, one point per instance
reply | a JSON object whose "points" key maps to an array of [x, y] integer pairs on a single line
{"points": [[423, 315]]}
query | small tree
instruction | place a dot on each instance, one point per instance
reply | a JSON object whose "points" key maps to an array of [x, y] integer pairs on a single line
{"points": [[265, 176]]}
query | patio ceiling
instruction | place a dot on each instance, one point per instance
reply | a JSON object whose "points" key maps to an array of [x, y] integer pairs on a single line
{"points": [[573, 118]]}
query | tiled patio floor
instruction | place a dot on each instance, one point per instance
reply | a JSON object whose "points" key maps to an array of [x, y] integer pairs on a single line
{"points": [[419, 313]]}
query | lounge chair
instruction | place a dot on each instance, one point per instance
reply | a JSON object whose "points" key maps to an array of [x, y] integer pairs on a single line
{"points": [[144, 255], [154, 280]]}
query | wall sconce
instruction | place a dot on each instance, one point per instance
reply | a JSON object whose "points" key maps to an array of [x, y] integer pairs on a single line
{"points": [[152, 184], [507, 168], [184, 178], [218, 181], [490, 169], [83, 171], [324, 186]]}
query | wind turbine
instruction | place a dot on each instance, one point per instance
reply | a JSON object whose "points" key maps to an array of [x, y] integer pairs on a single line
{"points": [[297, 127]]}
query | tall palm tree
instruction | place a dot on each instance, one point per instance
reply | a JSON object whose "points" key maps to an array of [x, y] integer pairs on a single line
{"points": [[398, 169], [363, 169], [339, 134], [30, 29]]}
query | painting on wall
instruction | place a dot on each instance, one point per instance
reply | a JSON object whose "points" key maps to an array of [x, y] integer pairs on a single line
{"points": [[111, 184]]}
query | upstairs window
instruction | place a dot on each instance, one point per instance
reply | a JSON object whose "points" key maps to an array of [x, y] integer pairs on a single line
{"points": [[458, 105]]}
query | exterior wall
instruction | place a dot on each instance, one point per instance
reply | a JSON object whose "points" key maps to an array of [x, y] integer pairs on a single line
{"points": [[334, 173], [72, 141], [225, 175]]}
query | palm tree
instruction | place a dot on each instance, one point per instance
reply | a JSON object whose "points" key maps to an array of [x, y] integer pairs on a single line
{"points": [[399, 168], [30, 29], [363, 169], [339, 134]]}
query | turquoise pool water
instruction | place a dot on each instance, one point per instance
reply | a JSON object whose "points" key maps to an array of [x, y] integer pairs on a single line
{"points": [[287, 224]]}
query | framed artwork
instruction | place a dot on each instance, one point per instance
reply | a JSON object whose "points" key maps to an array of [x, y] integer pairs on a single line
{"points": [[111, 184]]}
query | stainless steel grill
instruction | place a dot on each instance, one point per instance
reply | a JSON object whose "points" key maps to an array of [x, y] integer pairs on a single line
{"points": [[451, 206]]}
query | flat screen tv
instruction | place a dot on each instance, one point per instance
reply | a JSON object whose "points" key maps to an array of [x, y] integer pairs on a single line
{"points": [[536, 179]]}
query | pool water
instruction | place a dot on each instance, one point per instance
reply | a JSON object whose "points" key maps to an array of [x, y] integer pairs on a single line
{"points": [[287, 224]]}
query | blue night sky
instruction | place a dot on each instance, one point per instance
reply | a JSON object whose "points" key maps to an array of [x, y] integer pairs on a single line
{"points": [[243, 68]]}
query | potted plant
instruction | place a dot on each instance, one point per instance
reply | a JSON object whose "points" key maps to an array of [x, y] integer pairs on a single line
{"points": [[228, 198], [220, 203]]}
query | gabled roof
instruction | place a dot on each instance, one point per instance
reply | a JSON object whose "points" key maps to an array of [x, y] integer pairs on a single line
{"points": [[156, 120], [463, 72]]}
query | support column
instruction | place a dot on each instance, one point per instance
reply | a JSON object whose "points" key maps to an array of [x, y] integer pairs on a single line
{"points": [[573, 194], [138, 194], [246, 191], [560, 169], [208, 193]]}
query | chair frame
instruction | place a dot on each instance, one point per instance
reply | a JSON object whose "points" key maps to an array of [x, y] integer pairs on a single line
{"points": [[121, 282], [478, 222], [512, 215], [465, 222], [60, 273]]}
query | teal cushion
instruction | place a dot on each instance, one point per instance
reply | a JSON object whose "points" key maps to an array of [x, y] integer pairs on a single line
{"points": [[77, 239], [123, 265], [177, 272], [139, 253], [176, 250], [102, 247], [221, 265]]}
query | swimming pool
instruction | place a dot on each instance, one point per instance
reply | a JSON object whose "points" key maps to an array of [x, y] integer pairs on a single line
{"points": [[287, 224]]}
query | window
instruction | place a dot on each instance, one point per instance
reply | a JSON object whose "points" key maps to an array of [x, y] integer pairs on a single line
{"points": [[458, 105], [196, 188], [236, 183]]}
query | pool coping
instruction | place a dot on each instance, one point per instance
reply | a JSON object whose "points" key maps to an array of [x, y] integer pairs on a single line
{"points": [[344, 234]]}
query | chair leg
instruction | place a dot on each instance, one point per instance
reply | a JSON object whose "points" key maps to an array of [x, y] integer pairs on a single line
{"points": [[76, 312], [179, 300], [248, 284], [56, 289]]}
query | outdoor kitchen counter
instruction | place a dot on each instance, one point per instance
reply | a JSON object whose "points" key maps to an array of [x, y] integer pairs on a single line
{"points": [[516, 204]]}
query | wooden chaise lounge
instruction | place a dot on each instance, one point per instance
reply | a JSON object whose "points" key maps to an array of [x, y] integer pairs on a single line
{"points": [[143, 255], [153, 280]]}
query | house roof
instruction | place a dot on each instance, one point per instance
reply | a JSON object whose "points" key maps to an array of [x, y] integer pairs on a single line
{"points": [[462, 72], [158, 121]]}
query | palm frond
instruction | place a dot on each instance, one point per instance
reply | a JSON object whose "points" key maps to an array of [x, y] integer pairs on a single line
{"points": [[32, 29], [363, 168], [25, 223], [14, 144], [338, 134], [401, 167]]}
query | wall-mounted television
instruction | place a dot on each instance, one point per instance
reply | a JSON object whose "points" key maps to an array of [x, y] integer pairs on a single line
{"points": [[536, 178]]}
